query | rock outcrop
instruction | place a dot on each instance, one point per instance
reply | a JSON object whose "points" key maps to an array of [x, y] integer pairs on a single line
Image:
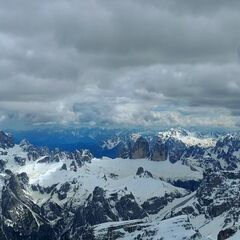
{"points": [[140, 149], [6, 140], [159, 152], [21, 218]]}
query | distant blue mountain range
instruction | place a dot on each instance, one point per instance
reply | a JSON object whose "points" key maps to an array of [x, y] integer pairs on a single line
{"points": [[69, 139]]}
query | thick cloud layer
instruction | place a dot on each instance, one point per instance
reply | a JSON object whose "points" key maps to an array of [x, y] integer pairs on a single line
{"points": [[120, 63]]}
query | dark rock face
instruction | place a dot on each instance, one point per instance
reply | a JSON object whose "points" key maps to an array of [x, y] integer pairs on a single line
{"points": [[21, 161], [62, 192], [123, 150], [23, 177], [140, 149], [80, 157], [225, 234], [226, 148], [155, 204], [73, 166], [25, 221], [219, 193], [25, 217], [143, 173], [98, 209], [6, 140], [175, 149], [159, 152], [195, 152], [4, 153], [128, 208], [216, 210], [2, 165], [33, 153], [212, 182], [64, 167], [86, 156], [190, 185], [42, 190], [188, 210], [140, 171], [51, 211], [231, 145]]}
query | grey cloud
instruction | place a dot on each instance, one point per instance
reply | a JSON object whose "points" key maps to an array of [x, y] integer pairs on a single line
{"points": [[119, 62]]}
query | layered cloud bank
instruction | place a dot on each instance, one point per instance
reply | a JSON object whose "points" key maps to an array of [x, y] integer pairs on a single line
{"points": [[122, 63]]}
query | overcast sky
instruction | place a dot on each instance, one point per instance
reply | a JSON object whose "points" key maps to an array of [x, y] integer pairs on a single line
{"points": [[119, 63]]}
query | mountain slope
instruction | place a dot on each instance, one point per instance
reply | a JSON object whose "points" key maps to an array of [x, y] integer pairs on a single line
{"points": [[53, 194]]}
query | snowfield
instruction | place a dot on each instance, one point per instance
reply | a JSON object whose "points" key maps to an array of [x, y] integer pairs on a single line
{"points": [[171, 229], [112, 175]]}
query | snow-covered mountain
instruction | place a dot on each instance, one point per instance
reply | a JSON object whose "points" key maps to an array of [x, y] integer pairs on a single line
{"points": [[175, 185], [187, 137]]}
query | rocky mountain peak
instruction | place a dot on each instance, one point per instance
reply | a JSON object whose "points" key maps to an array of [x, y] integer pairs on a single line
{"points": [[6, 140], [140, 148]]}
